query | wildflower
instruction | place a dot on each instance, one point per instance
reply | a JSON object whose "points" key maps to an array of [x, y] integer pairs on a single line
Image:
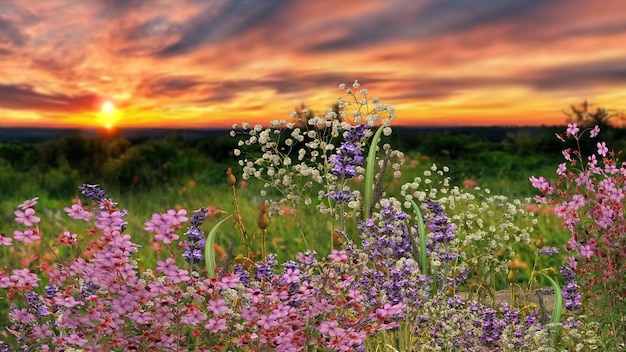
{"points": [[28, 203], [93, 192], [195, 240], [26, 217], [549, 251], [348, 155], [572, 129], [26, 236], [77, 212], [5, 241]]}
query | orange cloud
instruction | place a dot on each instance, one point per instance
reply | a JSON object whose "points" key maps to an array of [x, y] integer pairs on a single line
{"points": [[206, 64]]}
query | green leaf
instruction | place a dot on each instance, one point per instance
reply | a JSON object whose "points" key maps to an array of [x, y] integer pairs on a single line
{"points": [[368, 193], [558, 307], [422, 233], [209, 251]]}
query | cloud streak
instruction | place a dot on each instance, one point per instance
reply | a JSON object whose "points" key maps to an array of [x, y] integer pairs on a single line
{"points": [[194, 63]]}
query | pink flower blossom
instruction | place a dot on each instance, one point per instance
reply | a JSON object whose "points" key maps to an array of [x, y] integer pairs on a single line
{"points": [[338, 256], [585, 251], [27, 236], [217, 307], [216, 326], [77, 212], [26, 217], [174, 218], [572, 129], [28, 203], [5, 241], [602, 149], [594, 132], [23, 278]]}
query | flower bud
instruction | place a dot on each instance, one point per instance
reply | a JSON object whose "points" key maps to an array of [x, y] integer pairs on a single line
{"points": [[231, 180], [263, 221]]}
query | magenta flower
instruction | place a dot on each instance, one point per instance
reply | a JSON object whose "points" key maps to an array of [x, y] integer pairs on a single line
{"points": [[572, 129], [602, 149], [217, 307], [5, 241], [27, 236], [23, 278], [216, 326], [174, 218], [167, 267], [26, 217], [586, 251], [338, 256], [594, 132], [28, 203], [77, 212]]}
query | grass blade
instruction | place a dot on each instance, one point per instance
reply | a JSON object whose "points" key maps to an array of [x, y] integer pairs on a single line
{"points": [[209, 251], [558, 308], [422, 233], [368, 192]]}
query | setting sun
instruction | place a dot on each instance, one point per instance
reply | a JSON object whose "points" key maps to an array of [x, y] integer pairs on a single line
{"points": [[108, 107], [108, 115]]}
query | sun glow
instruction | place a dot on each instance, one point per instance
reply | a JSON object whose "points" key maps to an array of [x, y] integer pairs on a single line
{"points": [[108, 115]]}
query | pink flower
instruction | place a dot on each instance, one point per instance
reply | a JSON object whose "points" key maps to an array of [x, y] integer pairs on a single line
{"points": [[28, 203], [26, 217], [68, 302], [217, 307], [561, 169], [572, 129], [5, 241], [174, 218], [77, 212], [594, 132], [23, 278], [585, 251], [167, 267], [291, 276], [27, 236], [338, 256], [602, 149], [216, 326]]}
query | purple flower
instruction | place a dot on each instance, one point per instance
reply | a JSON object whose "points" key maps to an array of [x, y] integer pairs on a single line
{"points": [[27, 236], [349, 153], [549, 251], [93, 192], [194, 241], [26, 217], [28, 203], [77, 212], [5, 241]]}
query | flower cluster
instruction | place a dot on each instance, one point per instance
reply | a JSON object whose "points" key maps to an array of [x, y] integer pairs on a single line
{"points": [[589, 198]]}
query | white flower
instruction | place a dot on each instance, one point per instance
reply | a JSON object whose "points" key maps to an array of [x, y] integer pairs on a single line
{"points": [[356, 84], [342, 86]]}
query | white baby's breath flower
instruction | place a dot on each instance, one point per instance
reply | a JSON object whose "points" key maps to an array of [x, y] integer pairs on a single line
{"points": [[237, 152], [342, 86], [356, 84]]}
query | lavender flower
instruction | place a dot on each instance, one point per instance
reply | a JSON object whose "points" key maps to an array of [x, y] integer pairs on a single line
{"points": [[93, 192], [549, 251], [195, 241], [349, 153], [570, 291], [442, 230]]}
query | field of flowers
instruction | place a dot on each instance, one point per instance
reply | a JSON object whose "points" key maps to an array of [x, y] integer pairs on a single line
{"points": [[386, 263]]}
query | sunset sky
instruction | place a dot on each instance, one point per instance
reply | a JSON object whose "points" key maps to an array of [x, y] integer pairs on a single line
{"points": [[200, 63]]}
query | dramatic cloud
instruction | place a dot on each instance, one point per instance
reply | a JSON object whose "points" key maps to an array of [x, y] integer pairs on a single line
{"points": [[196, 63]]}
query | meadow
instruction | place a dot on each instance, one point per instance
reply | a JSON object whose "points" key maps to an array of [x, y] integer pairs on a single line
{"points": [[391, 240]]}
